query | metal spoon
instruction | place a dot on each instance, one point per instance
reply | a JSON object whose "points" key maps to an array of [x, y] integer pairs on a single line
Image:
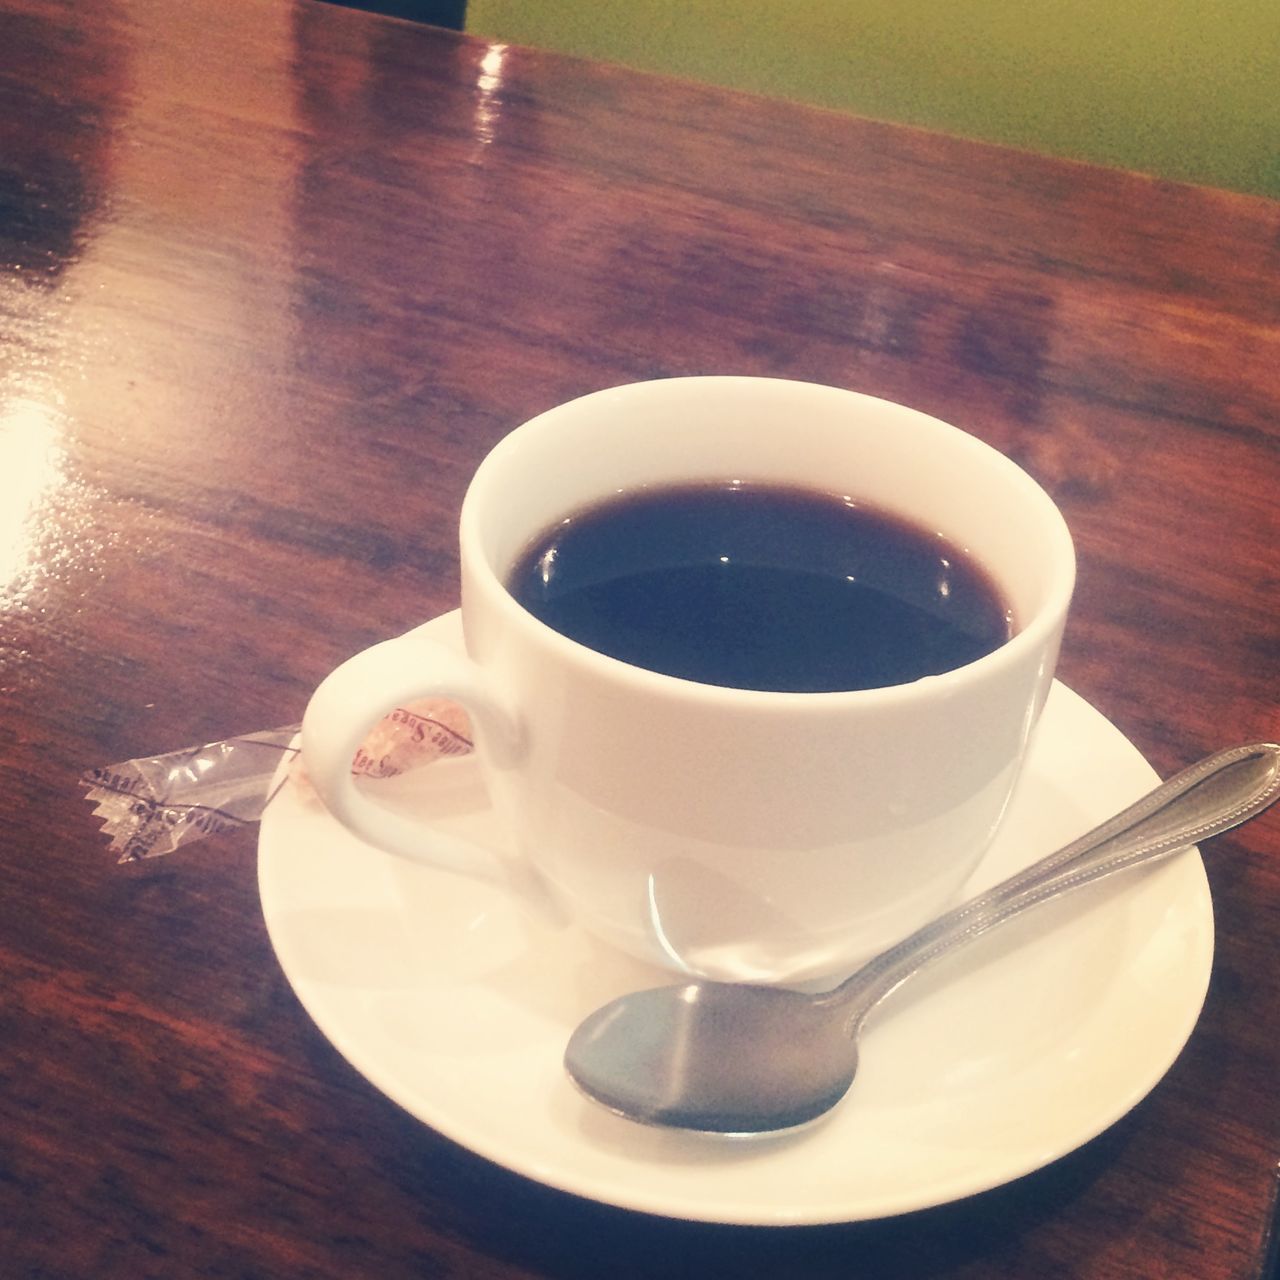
{"points": [[736, 1058]]}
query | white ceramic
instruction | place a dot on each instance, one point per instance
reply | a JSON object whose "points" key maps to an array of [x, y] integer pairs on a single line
{"points": [[732, 833], [457, 1004]]}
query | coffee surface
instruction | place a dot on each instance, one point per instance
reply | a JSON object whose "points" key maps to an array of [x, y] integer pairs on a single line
{"points": [[759, 586]]}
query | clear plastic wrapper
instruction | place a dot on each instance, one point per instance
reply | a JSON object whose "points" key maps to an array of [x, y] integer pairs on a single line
{"points": [[152, 806]]}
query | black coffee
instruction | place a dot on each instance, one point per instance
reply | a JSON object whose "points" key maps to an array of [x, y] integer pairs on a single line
{"points": [[761, 587]]}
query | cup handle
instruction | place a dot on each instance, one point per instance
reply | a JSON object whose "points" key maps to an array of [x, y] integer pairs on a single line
{"points": [[352, 699]]}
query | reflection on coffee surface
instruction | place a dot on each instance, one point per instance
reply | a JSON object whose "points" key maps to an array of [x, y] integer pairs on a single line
{"points": [[761, 586]]}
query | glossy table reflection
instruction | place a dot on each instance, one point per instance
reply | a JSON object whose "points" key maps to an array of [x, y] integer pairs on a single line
{"points": [[273, 278]]}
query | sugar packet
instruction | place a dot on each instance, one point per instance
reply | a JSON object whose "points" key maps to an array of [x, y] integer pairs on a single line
{"points": [[154, 805]]}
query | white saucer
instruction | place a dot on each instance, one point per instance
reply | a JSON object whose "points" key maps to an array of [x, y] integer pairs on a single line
{"points": [[457, 1005]]}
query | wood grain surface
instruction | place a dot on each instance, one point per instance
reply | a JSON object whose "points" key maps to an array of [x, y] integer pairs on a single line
{"points": [[274, 276]]}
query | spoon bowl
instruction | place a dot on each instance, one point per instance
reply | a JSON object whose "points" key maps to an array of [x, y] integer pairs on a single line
{"points": [[689, 1057], [741, 1058]]}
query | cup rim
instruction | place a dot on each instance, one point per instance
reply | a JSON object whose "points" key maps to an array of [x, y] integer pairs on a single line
{"points": [[1029, 639]]}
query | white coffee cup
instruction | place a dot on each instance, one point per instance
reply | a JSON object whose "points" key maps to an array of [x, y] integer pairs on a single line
{"points": [[733, 833]]}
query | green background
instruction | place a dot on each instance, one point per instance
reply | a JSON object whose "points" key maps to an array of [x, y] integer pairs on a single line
{"points": [[1186, 89]]}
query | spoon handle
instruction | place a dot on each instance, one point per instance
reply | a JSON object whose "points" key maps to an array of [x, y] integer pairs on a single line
{"points": [[1219, 793]]}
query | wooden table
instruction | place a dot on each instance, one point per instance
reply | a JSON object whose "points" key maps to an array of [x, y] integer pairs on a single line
{"points": [[273, 277]]}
